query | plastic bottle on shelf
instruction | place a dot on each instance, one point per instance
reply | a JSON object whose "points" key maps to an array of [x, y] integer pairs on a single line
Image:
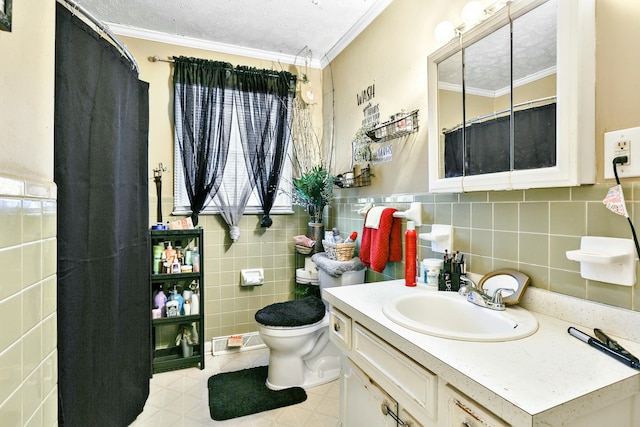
{"points": [[410, 254], [352, 237], [159, 301], [175, 296], [195, 302], [195, 258]]}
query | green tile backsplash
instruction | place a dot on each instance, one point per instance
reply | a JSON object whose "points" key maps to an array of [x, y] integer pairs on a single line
{"points": [[529, 230]]}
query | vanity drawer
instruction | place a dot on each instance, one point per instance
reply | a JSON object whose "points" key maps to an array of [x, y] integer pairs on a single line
{"points": [[413, 386], [340, 328], [465, 412]]}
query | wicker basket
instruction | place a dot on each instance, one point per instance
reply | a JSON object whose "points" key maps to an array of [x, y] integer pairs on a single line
{"points": [[304, 250], [339, 251]]}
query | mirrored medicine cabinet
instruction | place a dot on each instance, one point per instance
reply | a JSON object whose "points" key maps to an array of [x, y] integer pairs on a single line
{"points": [[511, 101]]}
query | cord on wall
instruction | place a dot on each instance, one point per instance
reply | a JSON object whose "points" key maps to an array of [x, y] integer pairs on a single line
{"points": [[619, 161]]}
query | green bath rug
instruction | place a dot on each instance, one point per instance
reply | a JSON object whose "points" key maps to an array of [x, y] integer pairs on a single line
{"points": [[240, 393]]}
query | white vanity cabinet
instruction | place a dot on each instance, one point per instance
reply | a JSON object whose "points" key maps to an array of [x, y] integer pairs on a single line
{"points": [[547, 379], [381, 386], [362, 401], [461, 411]]}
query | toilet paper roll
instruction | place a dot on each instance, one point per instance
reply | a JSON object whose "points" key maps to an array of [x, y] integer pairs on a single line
{"points": [[310, 265]]}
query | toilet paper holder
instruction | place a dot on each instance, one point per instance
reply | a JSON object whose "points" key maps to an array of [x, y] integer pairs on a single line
{"points": [[252, 277]]}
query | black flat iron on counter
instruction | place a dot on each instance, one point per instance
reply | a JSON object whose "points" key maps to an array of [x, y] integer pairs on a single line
{"points": [[607, 345]]}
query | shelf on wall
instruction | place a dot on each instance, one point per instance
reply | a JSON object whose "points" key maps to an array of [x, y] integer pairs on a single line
{"points": [[399, 126], [350, 179]]}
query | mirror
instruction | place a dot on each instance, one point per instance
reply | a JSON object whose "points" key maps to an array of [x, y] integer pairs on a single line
{"points": [[511, 283], [501, 80], [487, 94]]}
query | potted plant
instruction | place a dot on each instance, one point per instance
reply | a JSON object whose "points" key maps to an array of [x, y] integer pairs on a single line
{"points": [[313, 191]]}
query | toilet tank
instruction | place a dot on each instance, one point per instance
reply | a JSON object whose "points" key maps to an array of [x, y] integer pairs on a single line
{"points": [[347, 278]]}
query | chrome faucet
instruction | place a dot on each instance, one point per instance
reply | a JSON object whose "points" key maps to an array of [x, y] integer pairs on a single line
{"points": [[476, 296]]}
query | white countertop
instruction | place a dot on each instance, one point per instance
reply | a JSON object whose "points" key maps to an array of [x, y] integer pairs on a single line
{"points": [[548, 376]]}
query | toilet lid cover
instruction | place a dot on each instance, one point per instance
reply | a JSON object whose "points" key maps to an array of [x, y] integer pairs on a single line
{"points": [[302, 312]]}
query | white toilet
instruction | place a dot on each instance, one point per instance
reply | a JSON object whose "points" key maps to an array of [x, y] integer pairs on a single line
{"points": [[297, 334]]}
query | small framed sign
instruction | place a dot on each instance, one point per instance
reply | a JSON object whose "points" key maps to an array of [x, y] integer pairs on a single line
{"points": [[5, 15]]}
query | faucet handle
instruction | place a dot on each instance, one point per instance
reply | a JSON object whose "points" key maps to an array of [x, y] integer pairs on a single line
{"points": [[497, 295], [468, 287]]}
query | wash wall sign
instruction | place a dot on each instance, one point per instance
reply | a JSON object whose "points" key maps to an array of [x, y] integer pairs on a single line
{"points": [[361, 147]]}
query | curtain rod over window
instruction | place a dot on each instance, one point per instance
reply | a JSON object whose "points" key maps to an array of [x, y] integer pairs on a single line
{"points": [[75, 7], [156, 58], [241, 69]]}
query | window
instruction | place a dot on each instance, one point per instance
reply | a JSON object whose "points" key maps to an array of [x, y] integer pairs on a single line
{"points": [[235, 174]]}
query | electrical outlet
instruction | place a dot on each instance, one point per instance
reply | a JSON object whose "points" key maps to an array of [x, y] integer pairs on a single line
{"points": [[618, 144]]}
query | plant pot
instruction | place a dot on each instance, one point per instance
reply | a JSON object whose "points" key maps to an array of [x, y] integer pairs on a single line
{"points": [[316, 232]]}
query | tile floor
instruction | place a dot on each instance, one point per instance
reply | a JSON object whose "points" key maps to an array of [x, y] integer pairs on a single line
{"points": [[180, 398]]}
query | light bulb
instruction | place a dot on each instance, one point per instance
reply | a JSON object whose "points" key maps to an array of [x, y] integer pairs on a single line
{"points": [[445, 31], [472, 13]]}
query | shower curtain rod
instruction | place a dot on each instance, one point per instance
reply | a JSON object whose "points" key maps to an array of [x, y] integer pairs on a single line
{"points": [[495, 114], [75, 7]]}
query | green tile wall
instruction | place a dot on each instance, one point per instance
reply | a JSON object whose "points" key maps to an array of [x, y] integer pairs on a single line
{"points": [[529, 230], [229, 307]]}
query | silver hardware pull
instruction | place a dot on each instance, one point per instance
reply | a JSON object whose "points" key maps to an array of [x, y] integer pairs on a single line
{"points": [[336, 327], [387, 411], [465, 424]]}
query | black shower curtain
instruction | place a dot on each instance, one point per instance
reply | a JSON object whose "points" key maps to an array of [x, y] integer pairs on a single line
{"points": [[486, 145], [101, 127]]}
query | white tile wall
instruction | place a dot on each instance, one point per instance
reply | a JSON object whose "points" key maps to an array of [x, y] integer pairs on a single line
{"points": [[28, 344]]}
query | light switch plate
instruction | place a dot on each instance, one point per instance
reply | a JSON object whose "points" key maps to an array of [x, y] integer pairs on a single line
{"points": [[624, 142]]}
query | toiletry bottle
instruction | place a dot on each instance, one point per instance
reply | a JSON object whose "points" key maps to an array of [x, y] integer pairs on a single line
{"points": [[159, 301], [175, 296], [410, 254], [195, 258], [352, 237], [195, 301]]}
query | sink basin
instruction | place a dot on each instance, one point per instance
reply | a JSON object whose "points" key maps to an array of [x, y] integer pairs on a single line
{"points": [[449, 315]]}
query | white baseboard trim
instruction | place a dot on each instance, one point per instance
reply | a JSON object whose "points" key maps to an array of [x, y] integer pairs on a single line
{"points": [[250, 341]]}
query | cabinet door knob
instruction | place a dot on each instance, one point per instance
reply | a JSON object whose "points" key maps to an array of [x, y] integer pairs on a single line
{"points": [[465, 424], [336, 327]]}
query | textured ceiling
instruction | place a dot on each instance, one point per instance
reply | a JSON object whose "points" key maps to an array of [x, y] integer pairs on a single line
{"points": [[277, 27], [487, 67]]}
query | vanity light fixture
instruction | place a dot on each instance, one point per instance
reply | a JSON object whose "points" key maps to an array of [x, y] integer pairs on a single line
{"points": [[472, 14]]}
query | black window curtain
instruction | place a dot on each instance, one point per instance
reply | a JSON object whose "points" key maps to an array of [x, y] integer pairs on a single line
{"points": [[101, 156], [264, 104], [486, 149], [202, 126]]}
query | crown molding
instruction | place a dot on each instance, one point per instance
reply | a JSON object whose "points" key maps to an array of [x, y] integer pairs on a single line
{"points": [[195, 43], [354, 31], [345, 40]]}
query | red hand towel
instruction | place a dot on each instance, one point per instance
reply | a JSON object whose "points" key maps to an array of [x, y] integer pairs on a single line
{"points": [[382, 245]]}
